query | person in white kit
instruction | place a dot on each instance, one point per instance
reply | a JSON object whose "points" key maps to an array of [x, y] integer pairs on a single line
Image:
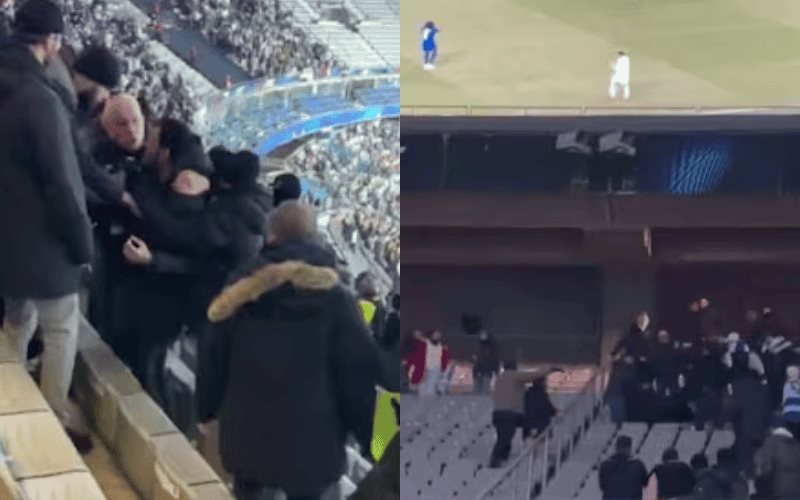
{"points": [[620, 76]]}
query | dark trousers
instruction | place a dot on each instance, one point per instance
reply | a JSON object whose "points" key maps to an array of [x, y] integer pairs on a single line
{"points": [[246, 490], [505, 424], [794, 428], [155, 313]]}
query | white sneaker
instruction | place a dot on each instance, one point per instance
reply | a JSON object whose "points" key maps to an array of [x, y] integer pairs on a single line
{"points": [[427, 67]]}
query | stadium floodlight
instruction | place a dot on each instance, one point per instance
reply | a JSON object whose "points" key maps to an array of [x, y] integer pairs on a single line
{"points": [[574, 143], [616, 161], [618, 143]]}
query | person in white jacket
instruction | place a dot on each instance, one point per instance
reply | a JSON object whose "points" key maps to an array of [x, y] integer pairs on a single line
{"points": [[620, 76]]}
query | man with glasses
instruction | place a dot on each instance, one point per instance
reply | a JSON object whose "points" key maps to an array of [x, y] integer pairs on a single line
{"points": [[43, 221]]}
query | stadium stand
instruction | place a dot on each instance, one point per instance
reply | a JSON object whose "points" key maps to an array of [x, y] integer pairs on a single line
{"points": [[446, 442], [163, 79], [350, 47], [37, 460], [155, 452]]}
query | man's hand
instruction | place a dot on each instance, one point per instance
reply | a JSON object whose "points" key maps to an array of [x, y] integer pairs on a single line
{"points": [[136, 252], [129, 203]]}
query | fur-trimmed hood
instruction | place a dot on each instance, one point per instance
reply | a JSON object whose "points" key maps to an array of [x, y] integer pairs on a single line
{"points": [[249, 289]]}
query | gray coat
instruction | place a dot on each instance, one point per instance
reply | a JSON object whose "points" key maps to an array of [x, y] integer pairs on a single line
{"points": [[778, 462], [45, 230]]}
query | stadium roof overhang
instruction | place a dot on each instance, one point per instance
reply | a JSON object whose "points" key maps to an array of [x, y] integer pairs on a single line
{"points": [[486, 229], [721, 121], [442, 209]]}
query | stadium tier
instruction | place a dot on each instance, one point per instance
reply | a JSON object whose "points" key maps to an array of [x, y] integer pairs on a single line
{"points": [[104, 388]]}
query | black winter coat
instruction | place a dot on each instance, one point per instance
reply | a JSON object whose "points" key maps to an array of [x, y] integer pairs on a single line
{"points": [[391, 333], [636, 344], [750, 407], [487, 360], [46, 231], [721, 483], [289, 370], [539, 409], [675, 479], [622, 478], [237, 224], [102, 188]]}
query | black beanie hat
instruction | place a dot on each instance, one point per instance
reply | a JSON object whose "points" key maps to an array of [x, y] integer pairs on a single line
{"points": [[221, 158], [99, 65], [185, 148], [39, 17], [190, 155], [240, 170], [286, 187]]}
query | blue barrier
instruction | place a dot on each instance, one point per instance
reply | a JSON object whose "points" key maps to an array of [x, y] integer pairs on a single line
{"points": [[315, 124]]}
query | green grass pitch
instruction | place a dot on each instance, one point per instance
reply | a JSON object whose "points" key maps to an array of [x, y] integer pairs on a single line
{"points": [[558, 52]]}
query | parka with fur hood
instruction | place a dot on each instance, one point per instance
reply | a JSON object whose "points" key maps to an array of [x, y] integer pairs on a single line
{"points": [[289, 369]]}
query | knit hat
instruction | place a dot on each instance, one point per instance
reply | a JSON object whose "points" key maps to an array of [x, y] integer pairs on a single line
{"points": [[190, 155], [99, 65], [286, 187], [123, 121], [237, 169], [39, 17]]}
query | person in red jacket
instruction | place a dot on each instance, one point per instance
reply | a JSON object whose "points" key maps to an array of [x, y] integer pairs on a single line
{"points": [[428, 362]]}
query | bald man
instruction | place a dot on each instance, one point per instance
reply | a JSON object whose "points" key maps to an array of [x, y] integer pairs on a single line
{"points": [[123, 122]]}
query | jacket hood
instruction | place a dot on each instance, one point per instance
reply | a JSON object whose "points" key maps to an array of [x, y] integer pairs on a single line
{"points": [[310, 252], [251, 207], [16, 63], [293, 264]]}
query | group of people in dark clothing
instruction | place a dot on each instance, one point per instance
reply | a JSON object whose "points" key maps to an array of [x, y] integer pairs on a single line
{"points": [[97, 193], [746, 380], [623, 477]]}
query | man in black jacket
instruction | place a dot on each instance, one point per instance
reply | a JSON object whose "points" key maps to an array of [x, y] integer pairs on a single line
{"points": [[675, 478], [166, 252], [487, 363], [723, 481], [238, 209], [622, 477], [46, 232], [291, 367]]}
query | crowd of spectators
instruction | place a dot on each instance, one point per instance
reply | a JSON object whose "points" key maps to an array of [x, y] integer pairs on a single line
{"points": [[776, 464], [259, 36], [360, 168], [746, 379], [166, 236], [145, 74]]}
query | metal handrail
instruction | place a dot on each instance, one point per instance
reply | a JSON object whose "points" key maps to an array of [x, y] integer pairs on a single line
{"points": [[516, 110], [542, 442]]}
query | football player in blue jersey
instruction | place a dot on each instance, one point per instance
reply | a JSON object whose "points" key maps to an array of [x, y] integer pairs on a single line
{"points": [[429, 32]]}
